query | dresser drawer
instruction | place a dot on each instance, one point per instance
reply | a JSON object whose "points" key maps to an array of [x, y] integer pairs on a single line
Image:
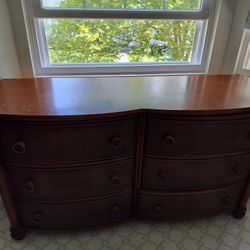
{"points": [[185, 174], [67, 143], [67, 183], [62, 215], [188, 205], [197, 137]]}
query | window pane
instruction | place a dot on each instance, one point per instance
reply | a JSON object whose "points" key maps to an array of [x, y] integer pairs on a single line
{"points": [[119, 41], [246, 63], [145, 4], [130, 4], [183, 4], [62, 3], [108, 4]]}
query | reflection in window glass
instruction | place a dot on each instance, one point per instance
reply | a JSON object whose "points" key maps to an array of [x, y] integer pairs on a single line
{"points": [[144, 4], [106, 4], [183, 4], [129, 4], [119, 41], [62, 3]]}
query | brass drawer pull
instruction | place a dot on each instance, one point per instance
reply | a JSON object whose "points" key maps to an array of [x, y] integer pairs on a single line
{"points": [[163, 176], [158, 210], [38, 217], [19, 147], [115, 180], [169, 140], [227, 200], [116, 211], [117, 142], [238, 170], [29, 186]]}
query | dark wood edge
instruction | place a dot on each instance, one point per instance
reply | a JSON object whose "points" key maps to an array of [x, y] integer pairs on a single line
{"points": [[212, 115], [70, 201], [92, 163], [241, 207], [88, 228], [195, 157], [68, 121], [139, 158], [216, 113], [190, 193], [228, 210], [68, 166], [196, 189], [7, 198], [74, 197]]}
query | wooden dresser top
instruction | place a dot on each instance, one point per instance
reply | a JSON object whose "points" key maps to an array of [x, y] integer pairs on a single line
{"points": [[90, 96]]}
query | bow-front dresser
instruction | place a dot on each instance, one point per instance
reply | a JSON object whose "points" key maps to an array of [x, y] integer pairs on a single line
{"points": [[81, 153]]}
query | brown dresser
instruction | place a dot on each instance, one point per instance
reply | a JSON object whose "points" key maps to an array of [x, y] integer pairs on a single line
{"points": [[80, 153]]}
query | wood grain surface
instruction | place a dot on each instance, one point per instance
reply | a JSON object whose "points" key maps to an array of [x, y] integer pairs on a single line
{"points": [[91, 96]]}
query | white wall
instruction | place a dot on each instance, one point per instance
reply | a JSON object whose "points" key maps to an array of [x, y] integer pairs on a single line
{"points": [[9, 64], [20, 36], [223, 20], [237, 28]]}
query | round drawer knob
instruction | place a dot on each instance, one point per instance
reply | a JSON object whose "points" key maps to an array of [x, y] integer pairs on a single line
{"points": [[227, 200], [169, 140], [117, 142], [158, 210], [116, 211], [29, 186], [38, 217], [115, 180], [19, 147], [238, 170], [163, 176]]}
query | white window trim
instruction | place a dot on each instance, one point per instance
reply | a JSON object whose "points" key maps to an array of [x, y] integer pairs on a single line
{"points": [[243, 59], [39, 51]]}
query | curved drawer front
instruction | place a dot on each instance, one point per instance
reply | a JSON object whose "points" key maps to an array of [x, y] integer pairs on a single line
{"points": [[62, 143], [184, 174], [188, 205], [75, 214], [67, 183], [200, 137]]}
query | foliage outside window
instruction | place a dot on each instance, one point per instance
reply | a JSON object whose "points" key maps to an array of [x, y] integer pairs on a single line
{"points": [[77, 41]]}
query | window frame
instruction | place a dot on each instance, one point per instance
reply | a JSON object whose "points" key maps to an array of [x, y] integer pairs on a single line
{"points": [[33, 10], [244, 54]]}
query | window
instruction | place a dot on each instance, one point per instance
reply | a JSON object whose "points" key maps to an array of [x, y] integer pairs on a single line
{"points": [[246, 62], [117, 36], [243, 61], [246, 37]]}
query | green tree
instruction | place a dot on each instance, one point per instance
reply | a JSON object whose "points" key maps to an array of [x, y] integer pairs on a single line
{"points": [[106, 40]]}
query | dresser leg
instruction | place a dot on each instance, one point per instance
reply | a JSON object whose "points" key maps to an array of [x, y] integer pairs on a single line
{"points": [[239, 213], [240, 210], [17, 233]]}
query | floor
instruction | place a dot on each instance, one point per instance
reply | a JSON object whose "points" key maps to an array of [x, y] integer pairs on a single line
{"points": [[219, 233]]}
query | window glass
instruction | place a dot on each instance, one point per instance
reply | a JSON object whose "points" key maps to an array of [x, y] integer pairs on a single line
{"points": [[62, 3], [144, 4], [119, 40], [129, 4], [106, 4], [246, 62], [183, 4]]}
